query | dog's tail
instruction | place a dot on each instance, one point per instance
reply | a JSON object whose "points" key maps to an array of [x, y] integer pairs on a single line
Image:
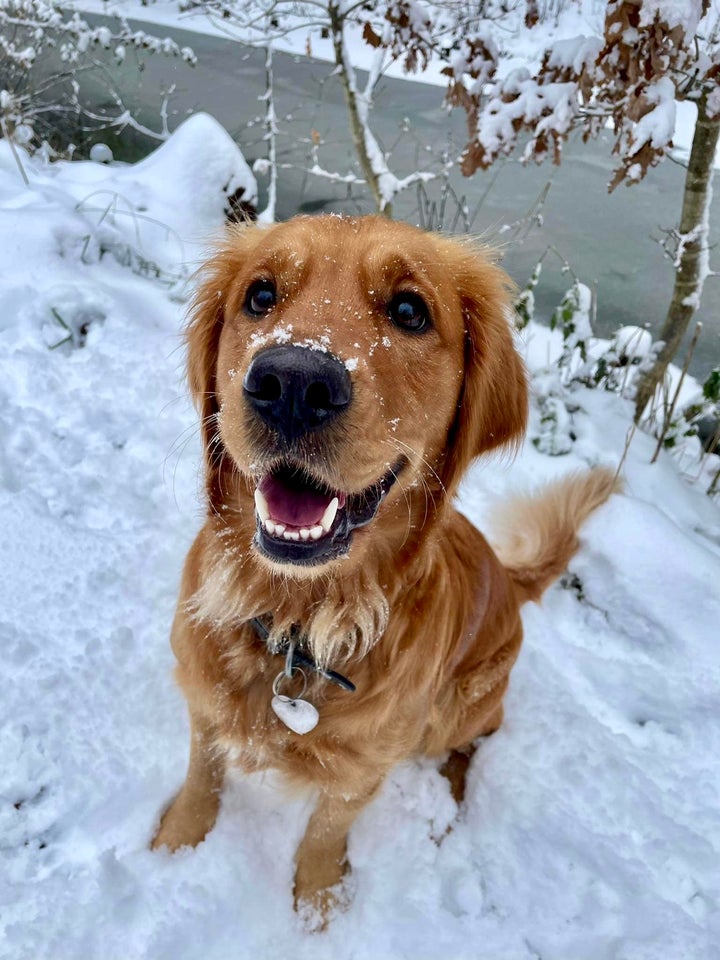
{"points": [[537, 535]]}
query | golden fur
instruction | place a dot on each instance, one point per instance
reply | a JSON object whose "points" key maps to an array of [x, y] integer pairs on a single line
{"points": [[420, 614]]}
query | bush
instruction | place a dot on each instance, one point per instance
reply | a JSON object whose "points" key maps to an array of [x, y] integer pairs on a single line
{"points": [[45, 55]]}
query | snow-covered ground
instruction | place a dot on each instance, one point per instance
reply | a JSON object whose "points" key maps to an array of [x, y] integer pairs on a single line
{"points": [[592, 828]]}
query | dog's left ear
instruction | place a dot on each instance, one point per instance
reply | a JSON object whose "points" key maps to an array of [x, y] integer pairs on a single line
{"points": [[493, 404], [206, 319]]}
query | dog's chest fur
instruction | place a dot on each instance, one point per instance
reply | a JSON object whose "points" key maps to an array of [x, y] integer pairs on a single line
{"points": [[404, 677]]}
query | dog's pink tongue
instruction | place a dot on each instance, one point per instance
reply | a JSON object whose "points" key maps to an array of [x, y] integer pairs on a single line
{"points": [[293, 507]]}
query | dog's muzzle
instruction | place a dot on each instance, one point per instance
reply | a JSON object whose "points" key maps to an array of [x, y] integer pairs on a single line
{"points": [[295, 390]]}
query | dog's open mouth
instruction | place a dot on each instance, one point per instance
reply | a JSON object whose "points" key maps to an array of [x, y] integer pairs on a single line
{"points": [[301, 520]]}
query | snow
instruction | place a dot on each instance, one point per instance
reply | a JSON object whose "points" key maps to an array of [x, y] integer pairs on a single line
{"points": [[656, 126], [683, 13], [574, 53], [552, 106], [632, 342], [591, 828]]}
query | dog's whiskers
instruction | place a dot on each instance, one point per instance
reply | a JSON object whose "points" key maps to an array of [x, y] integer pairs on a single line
{"points": [[191, 430], [421, 458], [178, 447], [215, 442], [181, 440], [427, 492], [427, 489]]}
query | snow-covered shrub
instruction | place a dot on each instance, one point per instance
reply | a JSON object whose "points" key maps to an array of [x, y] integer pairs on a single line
{"points": [[583, 360], [552, 432], [699, 418], [615, 367], [556, 435], [130, 218], [687, 425], [572, 319], [46, 53], [525, 302]]}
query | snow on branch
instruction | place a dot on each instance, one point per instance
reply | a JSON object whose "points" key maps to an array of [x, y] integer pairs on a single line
{"points": [[410, 34], [644, 56]]}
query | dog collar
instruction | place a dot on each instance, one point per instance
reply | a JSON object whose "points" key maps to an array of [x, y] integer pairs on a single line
{"points": [[297, 714], [297, 658]]}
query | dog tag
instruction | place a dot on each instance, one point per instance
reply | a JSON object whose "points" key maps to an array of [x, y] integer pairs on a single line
{"points": [[299, 715]]}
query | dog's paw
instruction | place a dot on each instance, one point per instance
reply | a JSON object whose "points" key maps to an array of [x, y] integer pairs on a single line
{"points": [[322, 888], [185, 824], [316, 910]]}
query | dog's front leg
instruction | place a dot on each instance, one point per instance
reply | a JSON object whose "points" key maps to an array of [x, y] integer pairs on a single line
{"points": [[321, 859], [193, 812]]}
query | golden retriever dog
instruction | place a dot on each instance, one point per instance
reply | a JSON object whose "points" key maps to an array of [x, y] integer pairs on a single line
{"points": [[337, 614]]}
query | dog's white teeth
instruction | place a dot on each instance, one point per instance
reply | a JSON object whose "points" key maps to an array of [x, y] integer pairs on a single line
{"points": [[306, 533], [279, 530], [262, 507], [330, 512]]}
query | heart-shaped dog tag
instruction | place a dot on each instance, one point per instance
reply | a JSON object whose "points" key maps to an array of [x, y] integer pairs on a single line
{"points": [[299, 715]]}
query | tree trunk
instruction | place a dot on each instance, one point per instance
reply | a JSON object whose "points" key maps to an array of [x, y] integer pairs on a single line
{"points": [[358, 117], [692, 257], [268, 214]]}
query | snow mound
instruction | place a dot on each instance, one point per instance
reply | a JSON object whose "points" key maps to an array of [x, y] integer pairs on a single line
{"points": [[207, 168], [154, 215]]}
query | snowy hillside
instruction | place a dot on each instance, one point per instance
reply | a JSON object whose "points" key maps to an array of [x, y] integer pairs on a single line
{"points": [[592, 827]]}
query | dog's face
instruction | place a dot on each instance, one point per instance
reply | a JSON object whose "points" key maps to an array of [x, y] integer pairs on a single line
{"points": [[342, 366]]}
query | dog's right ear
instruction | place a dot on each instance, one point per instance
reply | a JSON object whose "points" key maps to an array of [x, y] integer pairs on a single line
{"points": [[493, 404], [206, 319]]}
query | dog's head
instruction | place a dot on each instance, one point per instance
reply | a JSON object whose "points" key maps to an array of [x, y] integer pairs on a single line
{"points": [[347, 369]]}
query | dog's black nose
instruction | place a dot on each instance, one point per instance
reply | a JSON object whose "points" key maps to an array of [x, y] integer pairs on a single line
{"points": [[296, 389]]}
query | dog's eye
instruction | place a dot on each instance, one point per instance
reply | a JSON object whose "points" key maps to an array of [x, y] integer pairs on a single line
{"points": [[260, 298], [409, 311]]}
